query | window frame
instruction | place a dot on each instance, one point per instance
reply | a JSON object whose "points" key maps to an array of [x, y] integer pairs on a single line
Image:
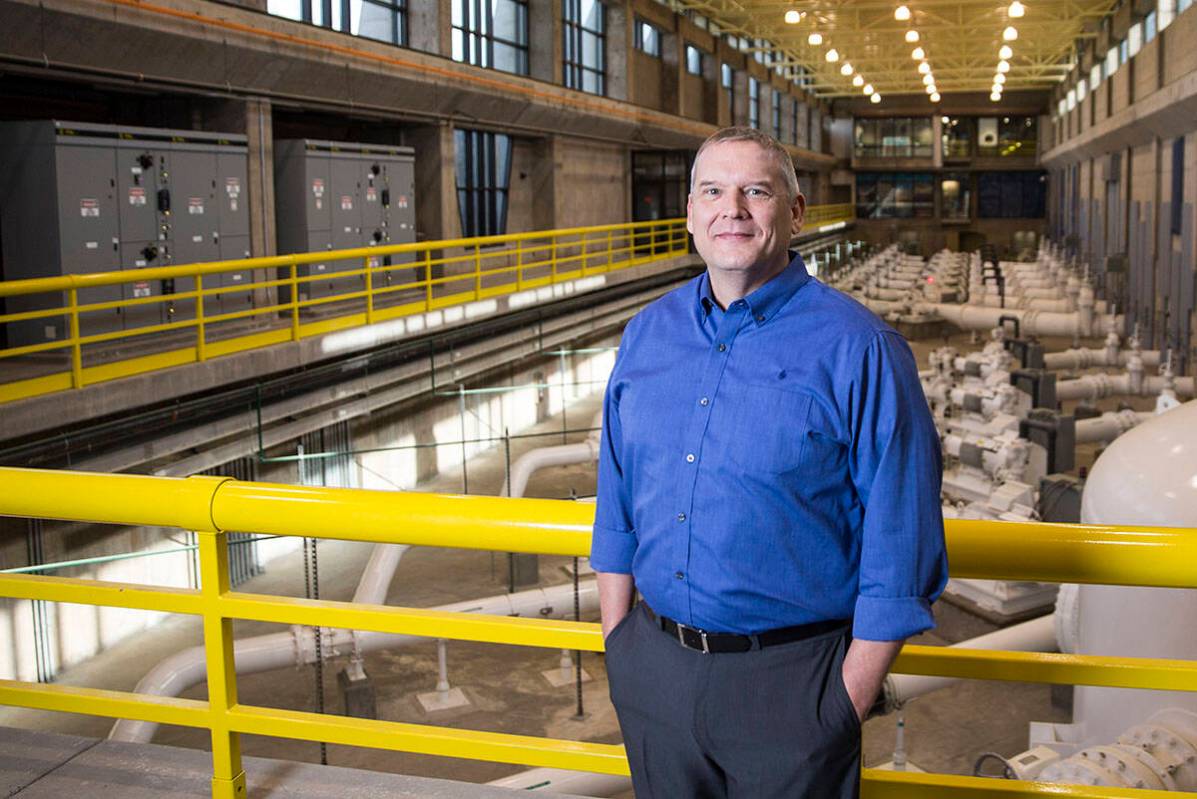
{"points": [[482, 206], [574, 33], [481, 53], [342, 20], [754, 103], [639, 28]]}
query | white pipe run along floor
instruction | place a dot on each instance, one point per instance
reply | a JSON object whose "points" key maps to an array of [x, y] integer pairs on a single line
{"points": [[279, 650]]}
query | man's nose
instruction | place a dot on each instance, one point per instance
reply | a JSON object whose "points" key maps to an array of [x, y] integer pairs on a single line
{"points": [[732, 205]]}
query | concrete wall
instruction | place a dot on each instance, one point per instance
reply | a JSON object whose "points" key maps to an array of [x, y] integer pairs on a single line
{"points": [[1119, 218]]}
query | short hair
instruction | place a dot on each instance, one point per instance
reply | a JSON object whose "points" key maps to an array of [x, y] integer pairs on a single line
{"points": [[761, 139]]}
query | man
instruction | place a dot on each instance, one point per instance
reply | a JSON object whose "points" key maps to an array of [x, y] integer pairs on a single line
{"points": [[769, 482]]}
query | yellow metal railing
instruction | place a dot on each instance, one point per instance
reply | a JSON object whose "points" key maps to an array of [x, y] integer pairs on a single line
{"points": [[826, 216], [1149, 556], [287, 298]]}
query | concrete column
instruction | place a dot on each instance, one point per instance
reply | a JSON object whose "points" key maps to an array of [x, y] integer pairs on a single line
{"points": [[260, 177], [436, 182], [546, 49], [431, 26], [545, 170], [723, 109], [673, 65], [619, 51]]}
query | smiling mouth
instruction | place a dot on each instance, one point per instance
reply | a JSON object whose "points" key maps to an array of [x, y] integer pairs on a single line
{"points": [[733, 236]]}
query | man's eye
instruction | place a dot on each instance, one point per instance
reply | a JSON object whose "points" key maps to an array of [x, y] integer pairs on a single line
{"points": [[711, 192], [754, 192]]}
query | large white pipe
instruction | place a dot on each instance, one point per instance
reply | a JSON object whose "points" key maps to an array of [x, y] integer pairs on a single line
{"points": [[1040, 323], [1093, 387], [377, 576], [1037, 635], [273, 651], [1109, 426], [1085, 358], [562, 455]]}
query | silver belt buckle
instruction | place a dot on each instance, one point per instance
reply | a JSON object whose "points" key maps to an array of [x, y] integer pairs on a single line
{"points": [[681, 637]]}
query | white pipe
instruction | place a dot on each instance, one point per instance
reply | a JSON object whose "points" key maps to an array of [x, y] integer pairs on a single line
{"points": [[562, 455], [1041, 323], [1085, 358], [260, 653], [377, 576], [1092, 387], [1037, 635], [558, 781], [1109, 426]]}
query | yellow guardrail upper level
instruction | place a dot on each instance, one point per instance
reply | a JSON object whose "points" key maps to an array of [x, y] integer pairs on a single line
{"points": [[76, 330], [1149, 556]]}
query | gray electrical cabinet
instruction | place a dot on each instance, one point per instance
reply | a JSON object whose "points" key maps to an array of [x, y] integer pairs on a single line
{"points": [[86, 198], [338, 196]]}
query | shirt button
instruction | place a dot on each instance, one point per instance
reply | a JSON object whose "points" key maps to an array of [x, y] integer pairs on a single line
{"points": [[689, 457], [679, 575], [760, 318], [723, 348], [681, 517], [704, 402]]}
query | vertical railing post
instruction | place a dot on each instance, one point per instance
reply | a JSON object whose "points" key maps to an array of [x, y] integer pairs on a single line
{"points": [[294, 300], [200, 352], [369, 291], [428, 279], [610, 244], [477, 271], [76, 347], [228, 776], [553, 261], [519, 264]]}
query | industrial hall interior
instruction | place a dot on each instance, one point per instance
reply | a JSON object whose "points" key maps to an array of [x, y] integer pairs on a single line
{"points": [[308, 310]]}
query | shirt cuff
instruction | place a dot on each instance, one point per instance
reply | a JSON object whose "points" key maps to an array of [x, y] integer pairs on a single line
{"points": [[612, 550], [891, 618]]}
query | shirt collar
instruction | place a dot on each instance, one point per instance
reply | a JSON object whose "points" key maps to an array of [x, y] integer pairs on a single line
{"points": [[765, 302]]}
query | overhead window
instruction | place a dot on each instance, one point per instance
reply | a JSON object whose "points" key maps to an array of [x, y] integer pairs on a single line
{"points": [[754, 103], [585, 23], [777, 115], [1011, 195], [895, 195], [483, 176], [693, 60], [648, 39], [491, 33], [382, 20], [727, 76]]}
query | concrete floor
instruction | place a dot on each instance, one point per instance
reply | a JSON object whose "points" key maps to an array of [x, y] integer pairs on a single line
{"points": [[507, 692]]}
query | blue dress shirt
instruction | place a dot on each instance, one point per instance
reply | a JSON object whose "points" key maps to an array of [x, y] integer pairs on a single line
{"points": [[772, 464]]}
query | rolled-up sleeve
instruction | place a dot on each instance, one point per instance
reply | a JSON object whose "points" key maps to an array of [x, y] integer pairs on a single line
{"points": [[896, 467], [613, 544]]}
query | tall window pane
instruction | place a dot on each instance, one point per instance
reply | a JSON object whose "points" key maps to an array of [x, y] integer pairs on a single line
{"points": [[382, 20], [648, 39], [483, 162], [584, 32], [754, 103], [491, 33]]}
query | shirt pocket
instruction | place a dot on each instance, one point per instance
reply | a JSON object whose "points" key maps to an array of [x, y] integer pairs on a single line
{"points": [[768, 429]]}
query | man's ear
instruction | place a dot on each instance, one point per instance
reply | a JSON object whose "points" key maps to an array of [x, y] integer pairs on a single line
{"points": [[798, 210], [689, 217]]}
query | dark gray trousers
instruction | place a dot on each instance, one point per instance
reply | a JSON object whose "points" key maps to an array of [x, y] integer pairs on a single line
{"points": [[764, 724]]}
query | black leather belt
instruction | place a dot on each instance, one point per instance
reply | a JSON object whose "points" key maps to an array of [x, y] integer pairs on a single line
{"points": [[709, 643]]}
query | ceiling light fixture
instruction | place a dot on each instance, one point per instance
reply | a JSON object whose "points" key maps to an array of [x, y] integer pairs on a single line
{"points": [[1003, 66], [876, 98], [901, 13], [793, 17], [928, 80], [924, 68], [995, 96], [815, 39], [935, 97], [997, 87], [833, 55], [1010, 34], [1005, 52], [918, 54], [868, 89], [846, 69], [1016, 9], [912, 36], [857, 81], [999, 78]]}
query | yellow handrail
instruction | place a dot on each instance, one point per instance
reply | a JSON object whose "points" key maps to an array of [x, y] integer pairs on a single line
{"points": [[365, 291], [1127, 555]]}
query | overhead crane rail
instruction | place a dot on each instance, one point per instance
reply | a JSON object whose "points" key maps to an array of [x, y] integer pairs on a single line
{"points": [[1146, 556]]}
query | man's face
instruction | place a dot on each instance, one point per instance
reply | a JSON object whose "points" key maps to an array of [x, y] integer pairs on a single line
{"points": [[738, 212]]}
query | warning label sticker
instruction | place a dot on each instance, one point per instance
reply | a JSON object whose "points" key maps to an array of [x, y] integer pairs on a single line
{"points": [[141, 289], [371, 194], [402, 201], [318, 187], [195, 206], [136, 195], [89, 206], [232, 186], [346, 202]]}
